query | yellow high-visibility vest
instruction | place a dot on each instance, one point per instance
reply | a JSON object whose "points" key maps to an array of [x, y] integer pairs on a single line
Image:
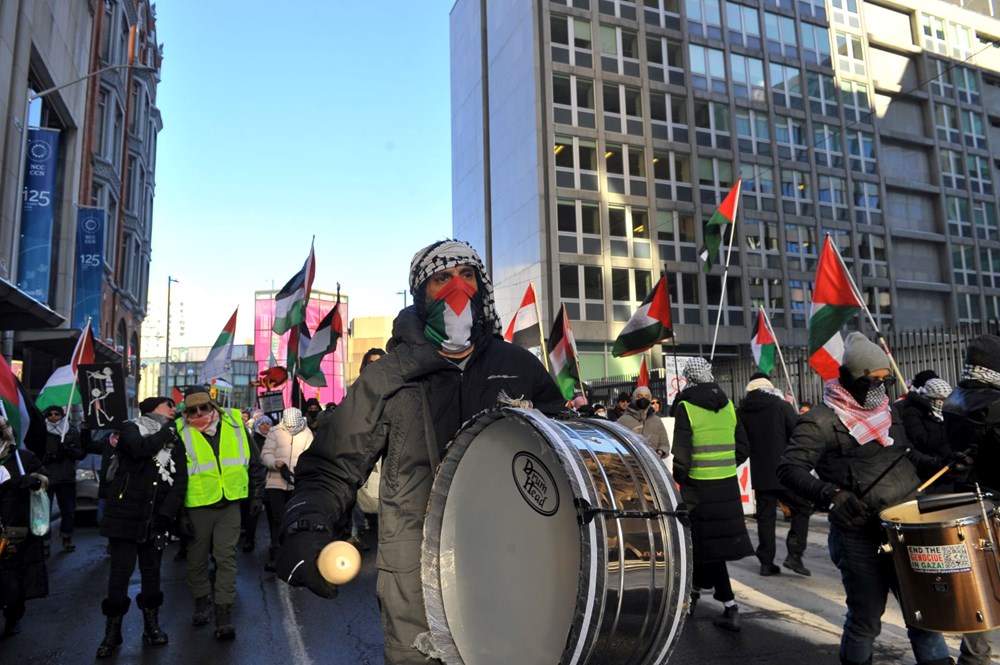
{"points": [[713, 454], [211, 478]]}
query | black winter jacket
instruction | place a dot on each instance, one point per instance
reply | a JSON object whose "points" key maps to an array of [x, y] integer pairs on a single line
{"points": [[972, 421], [769, 421], [138, 491], [61, 456], [22, 571]]}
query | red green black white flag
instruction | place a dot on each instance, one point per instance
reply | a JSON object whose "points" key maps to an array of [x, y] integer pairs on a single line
{"points": [[217, 363], [713, 231], [762, 343], [834, 302], [649, 325], [563, 356]]}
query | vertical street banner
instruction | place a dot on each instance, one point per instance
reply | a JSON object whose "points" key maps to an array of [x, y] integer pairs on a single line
{"points": [[102, 386], [34, 262], [89, 267]]}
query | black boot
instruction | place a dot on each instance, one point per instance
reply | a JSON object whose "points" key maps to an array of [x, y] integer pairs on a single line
{"points": [[152, 634], [12, 620], [794, 562], [844, 661], [730, 619], [202, 611], [115, 612], [224, 629]]}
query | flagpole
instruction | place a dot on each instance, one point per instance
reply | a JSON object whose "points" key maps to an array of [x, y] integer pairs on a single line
{"points": [[871, 319], [781, 356], [541, 331], [73, 361], [725, 277]]}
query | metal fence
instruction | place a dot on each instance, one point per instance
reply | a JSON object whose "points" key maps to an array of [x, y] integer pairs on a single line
{"points": [[940, 349]]}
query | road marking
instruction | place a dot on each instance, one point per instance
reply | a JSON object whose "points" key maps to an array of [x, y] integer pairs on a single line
{"points": [[297, 651], [755, 598]]}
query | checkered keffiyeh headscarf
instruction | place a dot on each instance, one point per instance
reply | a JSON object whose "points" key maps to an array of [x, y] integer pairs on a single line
{"points": [[864, 424], [446, 254], [698, 370]]}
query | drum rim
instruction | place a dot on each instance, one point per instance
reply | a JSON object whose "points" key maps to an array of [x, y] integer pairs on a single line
{"points": [[975, 518]]}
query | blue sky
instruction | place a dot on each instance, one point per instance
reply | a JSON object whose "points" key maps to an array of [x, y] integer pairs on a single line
{"points": [[332, 120]]}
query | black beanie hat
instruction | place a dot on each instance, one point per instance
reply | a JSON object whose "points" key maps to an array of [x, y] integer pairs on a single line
{"points": [[984, 351], [149, 404], [923, 377]]}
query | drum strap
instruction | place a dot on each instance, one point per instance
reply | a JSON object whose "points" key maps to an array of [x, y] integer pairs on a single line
{"points": [[433, 452]]}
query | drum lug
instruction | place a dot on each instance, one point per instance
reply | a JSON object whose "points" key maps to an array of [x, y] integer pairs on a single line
{"points": [[986, 545], [885, 548], [979, 617], [961, 533], [917, 617]]}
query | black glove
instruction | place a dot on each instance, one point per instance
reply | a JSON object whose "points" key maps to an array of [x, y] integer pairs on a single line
{"points": [[847, 511], [959, 464], [29, 482], [185, 527], [287, 474], [296, 563], [256, 505], [160, 523]]}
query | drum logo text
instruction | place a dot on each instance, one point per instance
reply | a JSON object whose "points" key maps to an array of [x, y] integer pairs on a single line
{"points": [[535, 483], [939, 559]]}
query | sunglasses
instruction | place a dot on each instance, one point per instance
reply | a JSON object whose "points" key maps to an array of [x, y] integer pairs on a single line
{"points": [[655, 401], [201, 408]]}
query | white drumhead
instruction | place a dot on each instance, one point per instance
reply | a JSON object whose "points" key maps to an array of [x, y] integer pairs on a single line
{"points": [[509, 550]]}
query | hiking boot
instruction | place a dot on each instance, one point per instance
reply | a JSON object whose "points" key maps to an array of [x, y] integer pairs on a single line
{"points": [[224, 629], [793, 562], [152, 634], [730, 619], [68, 545], [769, 569], [202, 611]]}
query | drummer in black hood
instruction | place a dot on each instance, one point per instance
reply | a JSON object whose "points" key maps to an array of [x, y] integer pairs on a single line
{"points": [[850, 440], [446, 362]]}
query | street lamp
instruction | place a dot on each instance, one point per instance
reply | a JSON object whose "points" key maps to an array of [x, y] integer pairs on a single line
{"points": [[402, 293], [166, 356]]}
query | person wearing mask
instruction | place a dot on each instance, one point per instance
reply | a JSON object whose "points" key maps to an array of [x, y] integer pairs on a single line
{"points": [[280, 454], [222, 471], [923, 419], [312, 414], [145, 493], [972, 425], [849, 441], [23, 574], [642, 419], [709, 445], [769, 421], [600, 411], [621, 404], [446, 362], [63, 450]]}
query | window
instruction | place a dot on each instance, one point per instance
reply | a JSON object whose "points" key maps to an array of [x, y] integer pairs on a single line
{"points": [[708, 68], [581, 289], [579, 227], [800, 247], [576, 163], [815, 44], [733, 311], [781, 38], [757, 191], [959, 220], [684, 298], [963, 265], [940, 77], [786, 86], [822, 94], [796, 192], [845, 12], [790, 136], [626, 169], [668, 117], [111, 231], [946, 123], [618, 8], [748, 77], [867, 203], [672, 176], [573, 101], [761, 243], [711, 121], [952, 171], [117, 130], [107, 30], [675, 236], [968, 307], [769, 294], [743, 25], [989, 265], [872, 256], [662, 13], [934, 39], [628, 288], [827, 146], [618, 98], [101, 137], [967, 85], [813, 8], [854, 95], [985, 216], [962, 41], [799, 297], [663, 56], [850, 55], [978, 168], [715, 178], [879, 302], [132, 180], [753, 132], [972, 129], [628, 227], [861, 148], [787, 5], [833, 198], [619, 50], [579, 4], [136, 120], [571, 41], [704, 18]]}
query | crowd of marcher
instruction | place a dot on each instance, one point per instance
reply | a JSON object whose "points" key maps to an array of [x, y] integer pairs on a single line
{"points": [[204, 475]]}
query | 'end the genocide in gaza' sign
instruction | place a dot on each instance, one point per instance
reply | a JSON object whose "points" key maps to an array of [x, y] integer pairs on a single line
{"points": [[939, 559]]}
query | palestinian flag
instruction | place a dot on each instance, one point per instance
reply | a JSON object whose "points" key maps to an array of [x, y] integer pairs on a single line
{"points": [[648, 326], [449, 316], [316, 347], [834, 302], [563, 356], [217, 362], [290, 303], [725, 214], [24, 417], [643, 380], [60, 389], [762, 343], [524, 329]]}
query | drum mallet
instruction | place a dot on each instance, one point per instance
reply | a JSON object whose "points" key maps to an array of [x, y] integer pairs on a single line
{"points": [[930, 481], [339, 562]]}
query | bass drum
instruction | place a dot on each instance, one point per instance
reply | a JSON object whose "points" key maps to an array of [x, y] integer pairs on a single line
{"points": [[553, 541]]}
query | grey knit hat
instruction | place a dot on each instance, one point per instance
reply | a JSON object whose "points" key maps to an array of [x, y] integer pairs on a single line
{"points": [[641, 390], [862, 356], [984, 351]]}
